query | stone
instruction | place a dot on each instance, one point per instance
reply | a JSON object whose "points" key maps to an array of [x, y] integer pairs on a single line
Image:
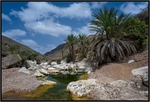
{"points": [[31, 63], [120, 83], [50, 70], [82, 87], [131, 61], [24, 70], [38, 74], [43, 71], [140, 71], [53, 63], [33, 68], [48, 82], [10, 60]]}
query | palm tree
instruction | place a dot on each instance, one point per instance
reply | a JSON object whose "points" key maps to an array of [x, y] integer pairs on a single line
{"points": [[70, 41], [82, 43], [110, 28]]}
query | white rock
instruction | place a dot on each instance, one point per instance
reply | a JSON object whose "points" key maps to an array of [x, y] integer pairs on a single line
{"points": [[37, 73], [56, 66], [140, 71], [82, 87], [130, 61], [24, 70], [51, 68], [53, 71], [43, 71], [48, 82], [53, 63], [32, 68]]}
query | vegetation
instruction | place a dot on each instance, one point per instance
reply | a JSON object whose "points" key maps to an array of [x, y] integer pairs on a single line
{"points": [[110, 28], [14, 49], [83, 44], [70, 41], [137, 32]]}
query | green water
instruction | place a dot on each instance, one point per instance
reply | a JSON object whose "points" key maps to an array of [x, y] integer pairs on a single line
{"points": [[59, 92]]}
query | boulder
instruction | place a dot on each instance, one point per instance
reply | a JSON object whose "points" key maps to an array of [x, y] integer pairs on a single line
{"points": [[140, 71], [10, 60], [140, 76], [53, 63], [24, 70], [38, 74], [43, 71], [31, 63], [82, 87]]}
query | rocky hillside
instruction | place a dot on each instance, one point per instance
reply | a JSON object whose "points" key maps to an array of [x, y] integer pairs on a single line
{"points": [[56, 53], [7, 42]]}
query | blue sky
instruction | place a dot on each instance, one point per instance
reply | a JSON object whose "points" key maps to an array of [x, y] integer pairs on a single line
{"points": [[42, 26]]}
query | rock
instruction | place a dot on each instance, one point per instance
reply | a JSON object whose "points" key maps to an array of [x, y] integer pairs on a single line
{"points": [[31, 63], [119, 83], [140, 71], [140, 76], [38, 74], [53, 63], [50, 70], [145, 93], [33, 68], [43, 71], [130, 61], [44, 63], [113, 92], [10, 60], [48, 82], [24, 70], [63, 62], [57, 66], [82, 87], [145, 80], [65, 72]]}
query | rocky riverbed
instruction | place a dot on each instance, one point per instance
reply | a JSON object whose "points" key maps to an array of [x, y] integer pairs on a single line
{"points": [[108, 82]]}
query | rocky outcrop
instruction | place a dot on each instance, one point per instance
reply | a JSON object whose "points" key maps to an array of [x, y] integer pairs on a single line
{"points": [[116, 90], [10, 60], [141, 76]]}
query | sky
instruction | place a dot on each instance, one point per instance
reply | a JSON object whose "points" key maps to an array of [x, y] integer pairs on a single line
{"points": [[42, 26]]}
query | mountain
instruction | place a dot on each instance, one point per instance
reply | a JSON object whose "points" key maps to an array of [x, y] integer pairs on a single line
{"points": [[7, 42], [56, 53]]}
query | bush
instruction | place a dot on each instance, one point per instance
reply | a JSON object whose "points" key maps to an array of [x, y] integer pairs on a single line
{"points": [[137, 33]]}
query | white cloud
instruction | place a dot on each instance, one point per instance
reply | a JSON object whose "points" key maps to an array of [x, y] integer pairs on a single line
{"points": [[39, 17], [5, 17], [38, 11], [132, 8], [35, 46], [29, 42], [14, 33], [83, 30], [98, 4], [48, 27]]}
